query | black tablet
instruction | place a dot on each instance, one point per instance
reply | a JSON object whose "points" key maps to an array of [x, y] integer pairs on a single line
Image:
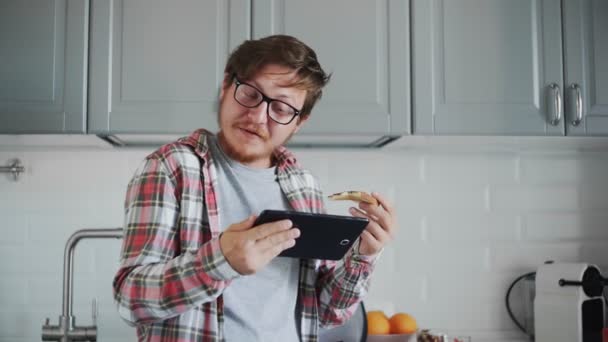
{"points": [[322, 236]]}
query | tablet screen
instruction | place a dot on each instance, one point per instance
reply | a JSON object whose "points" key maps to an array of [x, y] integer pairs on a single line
{"points": [[322, 236]]}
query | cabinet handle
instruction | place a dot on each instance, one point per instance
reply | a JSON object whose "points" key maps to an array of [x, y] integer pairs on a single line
{"points": [[579, 105], [557, 103]]}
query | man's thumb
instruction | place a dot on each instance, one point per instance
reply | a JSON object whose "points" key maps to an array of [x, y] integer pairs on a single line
{"points": [[243, 225]]}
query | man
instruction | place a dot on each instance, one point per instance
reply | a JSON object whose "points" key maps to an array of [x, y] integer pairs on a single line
{"points": [[194, 267]]}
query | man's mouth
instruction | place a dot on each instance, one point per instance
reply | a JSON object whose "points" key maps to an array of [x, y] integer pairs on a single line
{"points": [[253, 131]]}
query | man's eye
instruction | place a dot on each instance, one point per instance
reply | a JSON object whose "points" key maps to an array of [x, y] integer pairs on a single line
{"points": [[281, 108], [252, 94]]}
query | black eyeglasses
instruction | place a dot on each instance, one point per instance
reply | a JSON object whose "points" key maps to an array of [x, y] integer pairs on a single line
{"points": [[249, 96]]}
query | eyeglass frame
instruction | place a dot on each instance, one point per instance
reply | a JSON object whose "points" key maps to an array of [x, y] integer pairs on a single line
{"points": [[266, 99]]}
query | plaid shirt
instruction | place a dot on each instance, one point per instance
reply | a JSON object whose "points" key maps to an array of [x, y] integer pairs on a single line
{"points": [[172, 271]]}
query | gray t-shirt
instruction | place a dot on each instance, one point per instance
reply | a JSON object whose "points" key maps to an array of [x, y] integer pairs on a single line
{"points": [[261, 306]]}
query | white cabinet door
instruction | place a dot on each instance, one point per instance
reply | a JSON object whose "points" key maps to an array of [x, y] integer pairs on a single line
{"points": [[365, 45], [156, 65], [485, 66], [586, 66], [43, 63]]}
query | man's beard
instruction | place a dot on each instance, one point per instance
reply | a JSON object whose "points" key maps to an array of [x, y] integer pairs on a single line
{"points": [[243, 155]]}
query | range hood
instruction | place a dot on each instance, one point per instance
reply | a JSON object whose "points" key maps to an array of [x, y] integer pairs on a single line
{"points": [[298, 141]]}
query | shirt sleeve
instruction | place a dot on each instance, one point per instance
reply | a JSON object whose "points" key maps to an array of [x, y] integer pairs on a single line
{"points": [[341, 285], [156, 279]]}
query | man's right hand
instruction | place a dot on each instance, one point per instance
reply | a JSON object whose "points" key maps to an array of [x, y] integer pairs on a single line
{"points": [[248, 248]]}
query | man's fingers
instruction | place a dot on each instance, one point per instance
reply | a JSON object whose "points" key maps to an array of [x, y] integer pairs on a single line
{"points": [[377, 227], [383, 214], [358, 212], [371, 240], [275, 250], [264, 230], [377, 214], [384, 203], [278, 239], [243, 225], [378, 232], [373, 228]]}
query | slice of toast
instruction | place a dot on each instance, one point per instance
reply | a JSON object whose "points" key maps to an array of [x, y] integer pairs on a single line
{"points": [[357, 196]]}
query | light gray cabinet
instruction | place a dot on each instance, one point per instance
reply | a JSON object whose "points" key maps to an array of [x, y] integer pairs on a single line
{"points": [[43, 63], [508, 67], [479, 67], [586, 66], [156, 66], [365, 45], [485, 66]]}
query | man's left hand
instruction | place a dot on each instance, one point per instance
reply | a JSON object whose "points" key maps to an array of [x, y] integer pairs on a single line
{"points": [[381, 228]]}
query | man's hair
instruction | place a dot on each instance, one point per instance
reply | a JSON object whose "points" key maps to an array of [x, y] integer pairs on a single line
{"points": [[287, 51]]}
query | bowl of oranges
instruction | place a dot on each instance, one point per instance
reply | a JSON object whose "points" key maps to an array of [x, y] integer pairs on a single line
{"points": [[400, 327]]}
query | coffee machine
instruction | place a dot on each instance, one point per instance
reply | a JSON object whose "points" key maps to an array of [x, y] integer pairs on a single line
{"points": [[569, 303]]}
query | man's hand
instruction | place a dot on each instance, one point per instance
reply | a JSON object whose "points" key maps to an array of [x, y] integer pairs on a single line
{"points": [[249, 248], [381, 227]]}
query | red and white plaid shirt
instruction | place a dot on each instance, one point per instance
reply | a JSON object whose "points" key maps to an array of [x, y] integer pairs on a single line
{"points": [[172, 271]]}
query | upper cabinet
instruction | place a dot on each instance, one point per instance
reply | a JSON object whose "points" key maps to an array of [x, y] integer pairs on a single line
{"points": [[156, 66], [365, 45], [43, 66], [504, 68], [478, 67], [485, 66], [586, 66]]}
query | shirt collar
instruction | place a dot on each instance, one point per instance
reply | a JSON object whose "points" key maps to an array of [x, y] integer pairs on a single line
{"points": [[198, 141]]}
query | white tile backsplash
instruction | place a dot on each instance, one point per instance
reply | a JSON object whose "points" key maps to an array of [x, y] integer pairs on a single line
{"points": [[523, 198], [574, 226], [523, 257], [469, 223], [470, 168], [593, 195]]}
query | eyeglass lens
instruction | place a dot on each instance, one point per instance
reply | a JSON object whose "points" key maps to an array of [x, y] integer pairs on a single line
{"points": [[250, 97]]}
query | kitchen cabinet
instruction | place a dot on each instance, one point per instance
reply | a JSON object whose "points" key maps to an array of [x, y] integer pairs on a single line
{"points": [[478, 67], [586, 66], [156, 66], [365, 45], [43, 66], [492, 67]]}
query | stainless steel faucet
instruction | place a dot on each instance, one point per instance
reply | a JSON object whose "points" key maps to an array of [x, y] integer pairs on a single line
{"points": [[66, 330]]}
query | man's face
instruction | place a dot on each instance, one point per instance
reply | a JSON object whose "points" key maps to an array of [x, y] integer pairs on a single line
{"points": [[248, 135]]}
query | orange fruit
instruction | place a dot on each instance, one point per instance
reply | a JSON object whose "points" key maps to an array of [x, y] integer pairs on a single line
{"points": [[377, 323], [402, 323]]}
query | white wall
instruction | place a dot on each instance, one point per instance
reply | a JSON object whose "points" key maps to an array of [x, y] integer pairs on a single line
{"points": [[469, 223]]}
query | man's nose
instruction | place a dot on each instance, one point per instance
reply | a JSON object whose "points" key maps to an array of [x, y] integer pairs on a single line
{"points": [[259, 113]]}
